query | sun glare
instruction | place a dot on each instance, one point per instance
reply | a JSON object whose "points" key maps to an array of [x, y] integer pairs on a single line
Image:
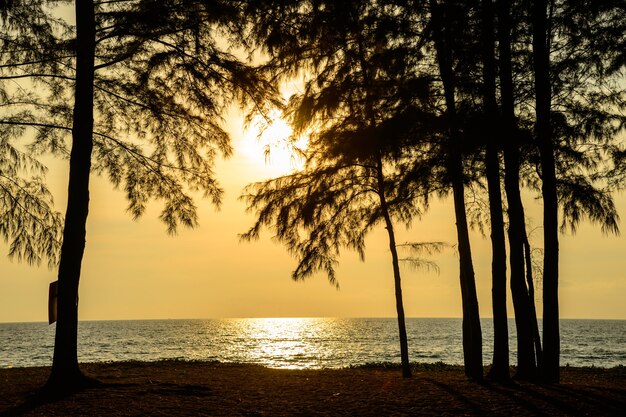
{"points": [[269, 144]]}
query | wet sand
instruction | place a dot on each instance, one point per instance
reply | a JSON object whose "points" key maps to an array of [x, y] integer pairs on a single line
{"points": [[177, 388]]}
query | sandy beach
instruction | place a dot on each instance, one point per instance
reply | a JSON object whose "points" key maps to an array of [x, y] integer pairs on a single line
{"points": [[178, 388]]}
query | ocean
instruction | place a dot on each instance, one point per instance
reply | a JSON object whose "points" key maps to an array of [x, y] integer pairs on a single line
{"points": [[295, 342]]}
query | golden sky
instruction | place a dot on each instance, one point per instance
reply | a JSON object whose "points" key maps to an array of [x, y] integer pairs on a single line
{"points": [[134, 270]]}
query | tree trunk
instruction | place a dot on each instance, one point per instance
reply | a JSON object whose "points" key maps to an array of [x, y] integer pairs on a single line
{"points": [[404, 346], [370, 116], [66, 374], [543, 134], [500, 365], [526, 368], [472, 337], [531, 296]]}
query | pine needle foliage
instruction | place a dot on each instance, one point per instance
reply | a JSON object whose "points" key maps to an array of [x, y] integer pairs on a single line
{"points": [[28, 220], [359, 105], [165, 72]]}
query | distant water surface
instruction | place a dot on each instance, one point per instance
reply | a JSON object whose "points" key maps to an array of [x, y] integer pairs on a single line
{"points": [[295, 342]]}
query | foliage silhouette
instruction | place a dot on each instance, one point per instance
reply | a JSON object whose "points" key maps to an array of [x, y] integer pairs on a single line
{"points": [[358, 106], [28, 221], [148, 82]]}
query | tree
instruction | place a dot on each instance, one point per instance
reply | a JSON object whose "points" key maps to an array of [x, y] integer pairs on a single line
{"points": [[541, 61], [445, 19], [579, 105], [586, 114], [513, 138], [500, 366], [359, 106], [594, 112], [147, 81]]}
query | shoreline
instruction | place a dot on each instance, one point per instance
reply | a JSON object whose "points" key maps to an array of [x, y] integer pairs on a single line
{"points": [[192, 388], [438, 365]]}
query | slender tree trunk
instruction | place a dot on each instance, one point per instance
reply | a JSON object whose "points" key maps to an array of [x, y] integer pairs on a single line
{"points": [[500, 365], [369, 114], [526, 368], [541, 56], [65, 371], [472, 336], [531, 296], [404, 346]]}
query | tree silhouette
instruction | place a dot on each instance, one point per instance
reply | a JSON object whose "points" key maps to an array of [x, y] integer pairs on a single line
{"points": [[579, 114], [514, 138], [446, 21], [500, 365], [545, 142], [359, 107], [585, 119], [147, 81]]}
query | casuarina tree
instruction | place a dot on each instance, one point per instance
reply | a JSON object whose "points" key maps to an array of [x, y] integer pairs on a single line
{"points": [[357, 108], [139, 87], [446, 28]]}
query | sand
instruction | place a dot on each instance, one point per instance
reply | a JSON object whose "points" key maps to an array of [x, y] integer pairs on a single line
{"points": [[178, 388]]}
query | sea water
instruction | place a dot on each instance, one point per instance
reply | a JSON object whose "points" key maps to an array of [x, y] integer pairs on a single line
{"points": [[296, 342]]}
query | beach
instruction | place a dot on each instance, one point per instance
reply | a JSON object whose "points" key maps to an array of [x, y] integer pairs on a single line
{"points": [[181, 388]]}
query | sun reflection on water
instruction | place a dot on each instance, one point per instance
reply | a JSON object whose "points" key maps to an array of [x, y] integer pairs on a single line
{"points": [[283, 342]]}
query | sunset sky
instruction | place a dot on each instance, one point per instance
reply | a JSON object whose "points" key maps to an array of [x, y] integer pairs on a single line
{"points": [[134, 270]]}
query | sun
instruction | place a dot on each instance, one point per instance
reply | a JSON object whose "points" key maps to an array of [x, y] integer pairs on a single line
{"points": [[269, 143]]}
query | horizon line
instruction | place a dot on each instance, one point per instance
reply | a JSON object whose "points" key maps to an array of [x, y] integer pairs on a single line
{"points": [[299, 317]]}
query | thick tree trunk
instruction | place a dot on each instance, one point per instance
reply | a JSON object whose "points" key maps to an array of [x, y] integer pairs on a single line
{"points": [[541, 57], [66, 374], [500, 365], [404, 346], [472, 336]]}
